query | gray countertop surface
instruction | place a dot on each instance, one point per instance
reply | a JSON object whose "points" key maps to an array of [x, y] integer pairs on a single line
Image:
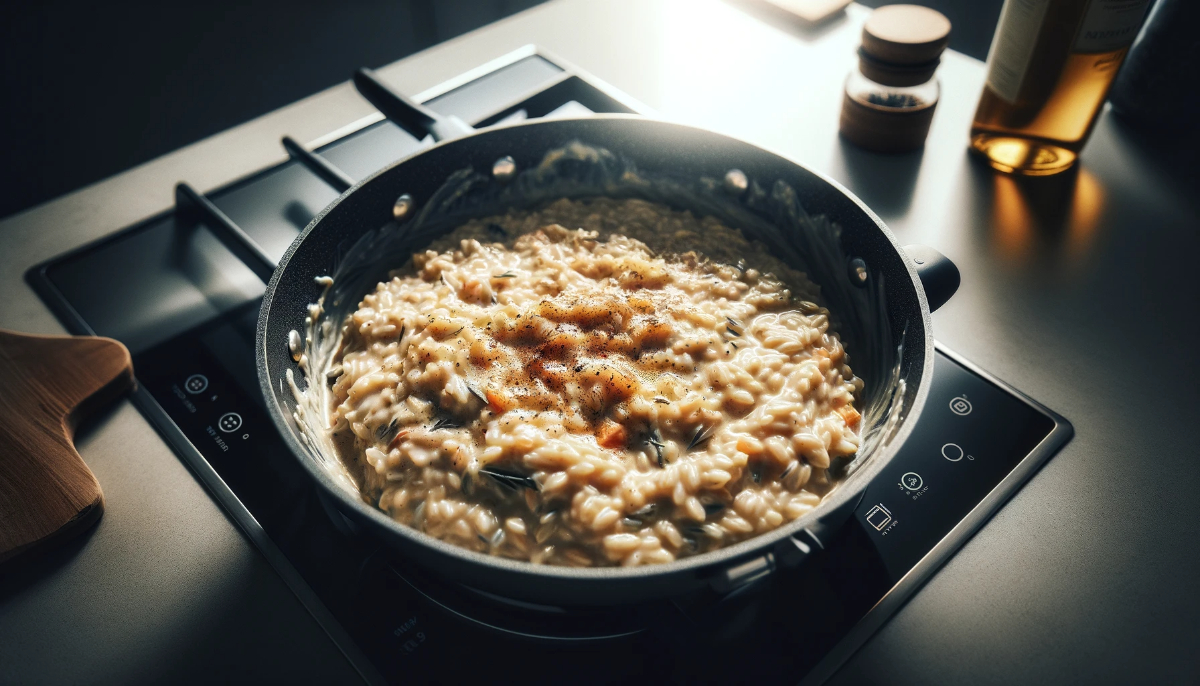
{"points": [[1076, 290]]}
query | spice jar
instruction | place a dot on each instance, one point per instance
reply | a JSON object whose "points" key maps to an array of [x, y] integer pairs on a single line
{"points": [[890, 99]]}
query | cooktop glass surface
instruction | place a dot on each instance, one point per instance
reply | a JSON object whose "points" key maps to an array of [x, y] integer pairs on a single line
{"points": [[187, 310]]}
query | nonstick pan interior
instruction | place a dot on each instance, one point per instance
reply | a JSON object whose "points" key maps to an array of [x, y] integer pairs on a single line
{"points": [[808, 220]]}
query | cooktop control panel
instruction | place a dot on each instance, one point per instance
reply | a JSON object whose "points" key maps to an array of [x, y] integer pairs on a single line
{"points": [[970, 435]]}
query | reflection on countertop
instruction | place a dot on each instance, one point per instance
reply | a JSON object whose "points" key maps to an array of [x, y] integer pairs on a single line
{"points": [[1059, 213]]}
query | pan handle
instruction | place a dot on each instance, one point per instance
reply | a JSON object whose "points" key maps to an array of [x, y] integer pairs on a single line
{"points": [[414, 118], [939, 276]]}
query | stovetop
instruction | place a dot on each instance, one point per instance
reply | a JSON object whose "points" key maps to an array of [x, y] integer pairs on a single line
{"points": [[187, 308]]}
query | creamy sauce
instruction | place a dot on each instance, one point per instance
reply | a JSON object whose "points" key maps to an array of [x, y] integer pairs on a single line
{"points": [[593, 383]]}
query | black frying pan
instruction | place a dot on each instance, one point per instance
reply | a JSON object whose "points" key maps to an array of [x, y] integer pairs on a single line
{"points": [[881, 297]]}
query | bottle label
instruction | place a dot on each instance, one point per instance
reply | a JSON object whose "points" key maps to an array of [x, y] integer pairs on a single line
{"points": [[1110, 25], [1016, 35]]}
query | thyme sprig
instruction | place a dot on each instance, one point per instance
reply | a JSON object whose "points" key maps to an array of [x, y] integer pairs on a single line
{"points": [[656, 440], [509, 480]]}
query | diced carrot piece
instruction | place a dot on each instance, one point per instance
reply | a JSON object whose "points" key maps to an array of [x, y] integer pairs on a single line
{"points": [[849, 414], [612, 435], [495, 401]]}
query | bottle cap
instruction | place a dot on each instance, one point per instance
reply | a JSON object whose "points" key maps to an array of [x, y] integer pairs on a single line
{"points": [[902, 44]]}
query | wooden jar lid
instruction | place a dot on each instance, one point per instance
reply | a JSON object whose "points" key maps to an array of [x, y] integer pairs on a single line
{"points": [[906, 34]]}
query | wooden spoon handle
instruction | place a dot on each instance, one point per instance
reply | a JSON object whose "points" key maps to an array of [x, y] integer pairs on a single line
{"points": [[47, 384]]}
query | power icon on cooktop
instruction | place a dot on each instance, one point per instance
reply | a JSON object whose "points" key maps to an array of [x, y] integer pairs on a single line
{"points": [[229, 422], [952, 452], [960, 406], [196, 383]]}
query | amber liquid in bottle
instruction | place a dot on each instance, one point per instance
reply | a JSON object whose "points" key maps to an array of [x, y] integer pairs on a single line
{"points": [[1041, 126]]}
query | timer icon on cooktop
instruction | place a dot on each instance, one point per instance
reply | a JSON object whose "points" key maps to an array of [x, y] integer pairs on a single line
{"points": [[960, 406], [229, 422]]}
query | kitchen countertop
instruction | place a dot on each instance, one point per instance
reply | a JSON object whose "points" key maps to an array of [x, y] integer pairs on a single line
{"points": [[1071, 292]]}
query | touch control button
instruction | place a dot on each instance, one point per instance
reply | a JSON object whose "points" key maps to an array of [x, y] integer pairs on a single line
{"points": [[229, 422], [196, 384], [879, 517], [912, 481], [961, 406], [952, 452]]}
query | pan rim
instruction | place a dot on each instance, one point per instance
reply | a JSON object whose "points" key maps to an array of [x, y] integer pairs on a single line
{"points": [[720, 558]]}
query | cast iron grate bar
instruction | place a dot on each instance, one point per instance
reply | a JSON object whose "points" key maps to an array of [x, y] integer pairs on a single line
{"points": [[415, 118], [339, 180], [189, 202]]}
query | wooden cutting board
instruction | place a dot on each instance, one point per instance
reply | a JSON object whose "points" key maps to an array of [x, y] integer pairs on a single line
{"points": [[47, 384], [811, 11]]}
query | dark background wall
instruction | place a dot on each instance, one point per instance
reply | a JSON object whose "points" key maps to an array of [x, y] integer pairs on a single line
{"points": [[91, 89]]}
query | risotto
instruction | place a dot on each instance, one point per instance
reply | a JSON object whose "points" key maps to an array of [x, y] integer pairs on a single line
{"points": [[594, 383]]}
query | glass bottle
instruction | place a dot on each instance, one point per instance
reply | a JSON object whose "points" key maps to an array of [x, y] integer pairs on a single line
{"points": [[1049, 70]]}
